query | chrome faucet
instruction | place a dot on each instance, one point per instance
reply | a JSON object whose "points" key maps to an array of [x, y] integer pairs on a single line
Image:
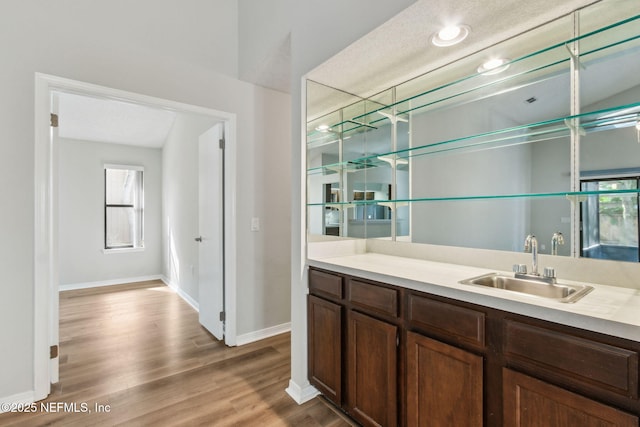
{"points": [[531, 245], [557, 239]]}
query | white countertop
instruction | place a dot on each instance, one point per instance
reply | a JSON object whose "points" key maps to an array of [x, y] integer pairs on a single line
{"points": [[607, 309]]}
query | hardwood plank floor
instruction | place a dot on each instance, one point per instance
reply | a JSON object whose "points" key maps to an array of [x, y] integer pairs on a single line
{"points": [[136, 355]]}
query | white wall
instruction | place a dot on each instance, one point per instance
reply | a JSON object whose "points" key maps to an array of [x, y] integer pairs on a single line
{"points": [[319, 29], [81, 213], [489, 224], [181, 51], [180, 201], [267, 298], [264, 43], [550, 172]]}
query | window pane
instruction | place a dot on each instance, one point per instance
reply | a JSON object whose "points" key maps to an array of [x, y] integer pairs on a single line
{"points": [[121, 226], [610, 221], [121, 186], [590, 224], [618, 214]]}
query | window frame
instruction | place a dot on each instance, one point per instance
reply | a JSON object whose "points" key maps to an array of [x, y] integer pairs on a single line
{"points": [[617, 175], [138, 209]]}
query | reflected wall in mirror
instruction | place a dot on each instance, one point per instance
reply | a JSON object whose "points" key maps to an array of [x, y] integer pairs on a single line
{"points": [[481, 160]]}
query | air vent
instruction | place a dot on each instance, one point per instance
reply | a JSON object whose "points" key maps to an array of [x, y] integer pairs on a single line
{"points": [[531, 100]]}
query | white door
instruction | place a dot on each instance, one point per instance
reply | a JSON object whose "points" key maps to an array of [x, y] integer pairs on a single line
{"points": [[211, 238]]}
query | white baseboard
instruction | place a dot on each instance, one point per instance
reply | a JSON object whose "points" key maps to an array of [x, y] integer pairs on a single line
{"points": [[301, 394], [182, 294], [263, 333], [20, 398], [87, 285]]}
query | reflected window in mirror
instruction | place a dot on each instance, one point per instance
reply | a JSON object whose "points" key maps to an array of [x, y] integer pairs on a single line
{"points": [[610, 220]]}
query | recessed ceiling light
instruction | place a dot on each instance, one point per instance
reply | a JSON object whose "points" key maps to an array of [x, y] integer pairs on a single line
{"points": [[450, 35], [323, 128], [494, 66]]}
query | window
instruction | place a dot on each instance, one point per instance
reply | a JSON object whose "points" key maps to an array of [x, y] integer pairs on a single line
{"points": [[123, 207], [610, 221]]}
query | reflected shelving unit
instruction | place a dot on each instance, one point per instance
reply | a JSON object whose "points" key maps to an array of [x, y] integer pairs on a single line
{"points": [[463, 153]]}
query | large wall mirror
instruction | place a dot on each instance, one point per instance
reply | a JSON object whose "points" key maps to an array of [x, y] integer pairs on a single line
{"points": [[548, 143]]}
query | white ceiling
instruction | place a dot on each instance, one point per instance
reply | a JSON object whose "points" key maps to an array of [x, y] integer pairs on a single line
{"points": [[87, 118]]}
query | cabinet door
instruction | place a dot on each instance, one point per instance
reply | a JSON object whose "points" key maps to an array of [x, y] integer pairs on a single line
{"points": [[531, 402], [372, 371], [325, 347], [444, 384]]}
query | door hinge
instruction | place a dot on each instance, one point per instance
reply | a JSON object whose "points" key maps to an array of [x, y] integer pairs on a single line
{"points": [[54, 120], [221, 142], [53, 352], [397, 339], [222, 316]]}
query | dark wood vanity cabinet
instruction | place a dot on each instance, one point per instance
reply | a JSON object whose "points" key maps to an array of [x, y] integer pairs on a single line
{"points": [[532, 402], [559, 376], [444, 381], [372, 370], [325, 347], [372, 352], [353, 346], [403, 357], [325, 326], [444, 384]]}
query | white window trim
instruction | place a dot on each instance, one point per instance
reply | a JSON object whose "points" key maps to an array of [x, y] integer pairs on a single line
{"points": [[124, 167], [122, 250], [141, 248]]}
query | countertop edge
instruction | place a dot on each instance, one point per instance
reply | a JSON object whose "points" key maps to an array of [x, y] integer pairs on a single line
{"points": [[576, 320]]}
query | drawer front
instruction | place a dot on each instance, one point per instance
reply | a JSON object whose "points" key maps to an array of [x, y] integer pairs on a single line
{"points": [[373, 298], [573, 358], [463, 324], [325, 284]]}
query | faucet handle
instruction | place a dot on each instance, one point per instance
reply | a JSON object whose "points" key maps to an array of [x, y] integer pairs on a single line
{"points": [[550, 272], [520, 268]]}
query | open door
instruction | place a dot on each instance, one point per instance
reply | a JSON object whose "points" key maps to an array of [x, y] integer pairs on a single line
{"points": [[211, 226]]}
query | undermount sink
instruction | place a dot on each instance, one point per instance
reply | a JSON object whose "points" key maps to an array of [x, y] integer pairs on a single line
{"points": [[538, 288]]}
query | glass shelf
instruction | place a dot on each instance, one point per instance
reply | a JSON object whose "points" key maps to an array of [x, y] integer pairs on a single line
{"points": [[569, 195], [614, 36], [615, 117], [525, 70]]}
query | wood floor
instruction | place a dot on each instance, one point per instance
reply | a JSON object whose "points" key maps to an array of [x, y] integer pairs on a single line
{"points": [[136, 355]]}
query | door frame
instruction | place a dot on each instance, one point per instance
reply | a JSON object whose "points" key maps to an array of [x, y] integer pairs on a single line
{"points": [[46, 320]]}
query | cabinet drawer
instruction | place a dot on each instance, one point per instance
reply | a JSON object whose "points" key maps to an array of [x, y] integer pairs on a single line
{"points": [[373, 298], [573, 358], [325, 284], [462, 324]]}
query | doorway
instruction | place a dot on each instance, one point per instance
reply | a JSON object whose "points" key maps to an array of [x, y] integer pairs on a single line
{"points": [[46, 239]]}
